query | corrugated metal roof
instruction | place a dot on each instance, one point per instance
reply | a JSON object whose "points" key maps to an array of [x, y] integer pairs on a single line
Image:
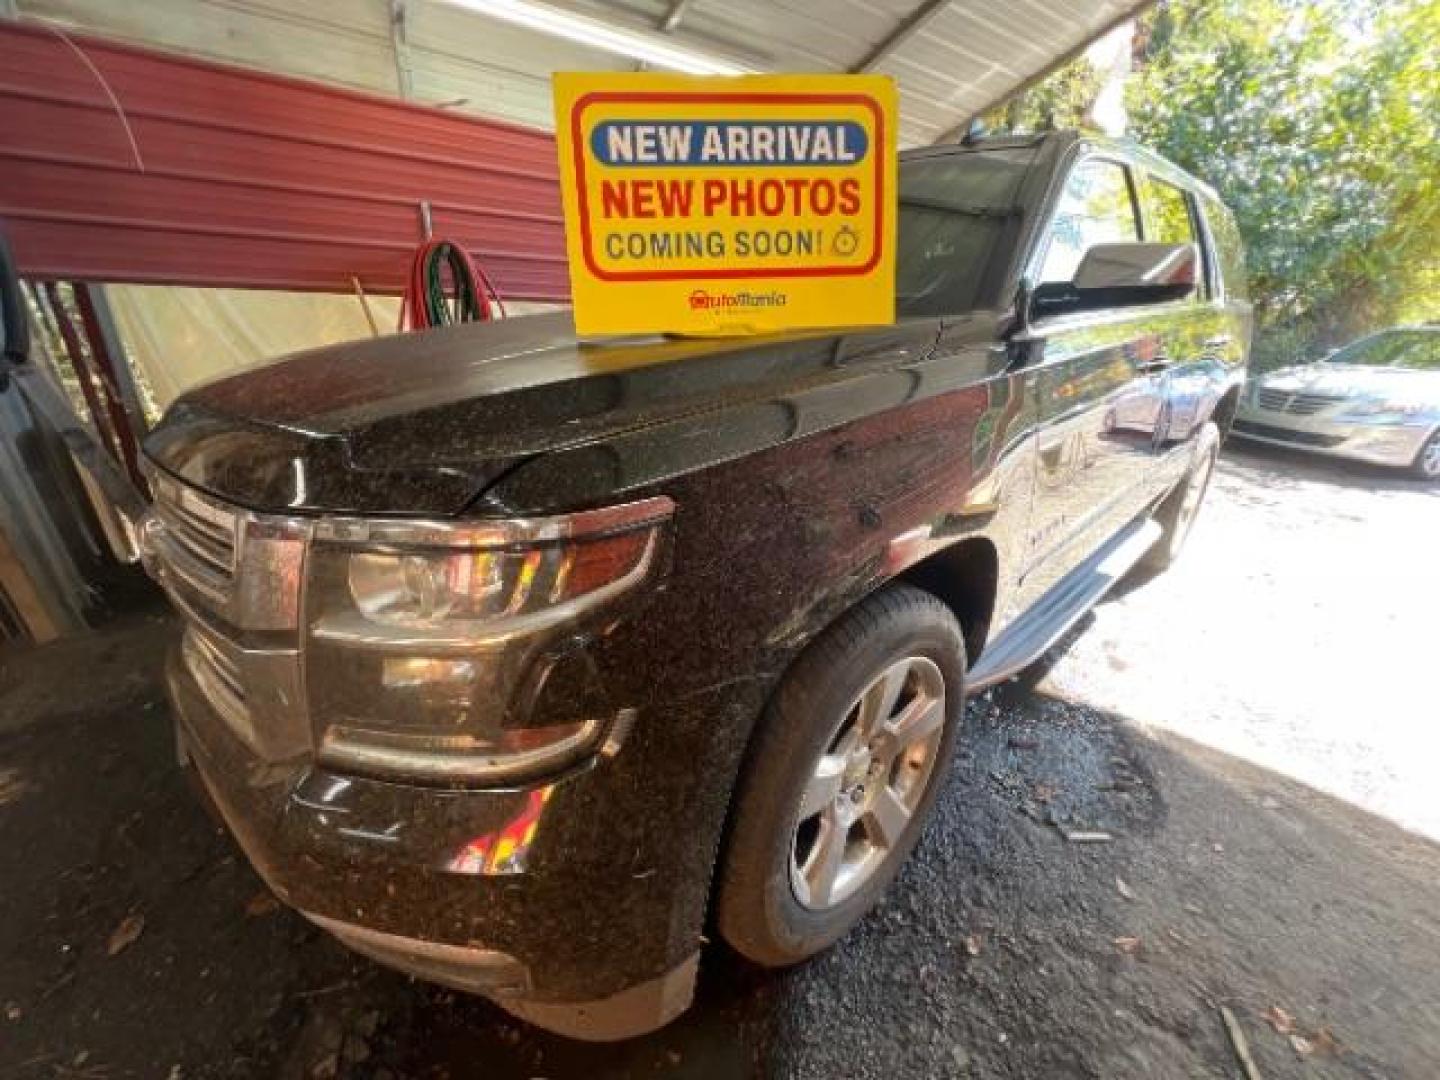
{"points": [[258, 181], [125, 164], [968, 56], [490, 68]]}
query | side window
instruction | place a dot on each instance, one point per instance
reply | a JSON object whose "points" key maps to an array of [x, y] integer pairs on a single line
{"points": [[1167, 214], [1096, 207], [1231, 249], [1169, 218]]}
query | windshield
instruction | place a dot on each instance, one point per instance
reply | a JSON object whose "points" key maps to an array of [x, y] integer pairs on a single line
{"points": [[1416, 350], [953, 209]]}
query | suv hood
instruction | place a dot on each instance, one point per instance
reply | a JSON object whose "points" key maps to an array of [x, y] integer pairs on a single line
{"points": [[425, 423]]}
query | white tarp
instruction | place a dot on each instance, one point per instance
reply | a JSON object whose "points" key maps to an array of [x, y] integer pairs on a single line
{"points": [[176, 338], [179, 337]]}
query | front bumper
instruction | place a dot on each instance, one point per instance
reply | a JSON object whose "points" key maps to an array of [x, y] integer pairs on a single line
{"points": [[509, 894], [1393, 445]]}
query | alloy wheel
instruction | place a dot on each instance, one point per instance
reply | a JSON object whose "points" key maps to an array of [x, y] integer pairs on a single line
{"points": [[1430, 458], [868, 784]]}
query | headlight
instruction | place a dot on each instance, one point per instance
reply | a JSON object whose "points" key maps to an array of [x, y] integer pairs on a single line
{"points": [[432, 648]]}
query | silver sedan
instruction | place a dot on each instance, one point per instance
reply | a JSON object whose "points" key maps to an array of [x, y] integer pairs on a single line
{"points": [[1376, 400]]}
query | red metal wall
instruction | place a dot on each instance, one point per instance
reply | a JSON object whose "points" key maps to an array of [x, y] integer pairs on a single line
{"points": [[124, 164]]}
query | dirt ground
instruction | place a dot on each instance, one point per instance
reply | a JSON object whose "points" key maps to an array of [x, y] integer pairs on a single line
{"points": [[1254, 732]]}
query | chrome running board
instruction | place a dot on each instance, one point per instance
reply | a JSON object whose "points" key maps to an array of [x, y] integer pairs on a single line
{"points": [[1025, 640]]}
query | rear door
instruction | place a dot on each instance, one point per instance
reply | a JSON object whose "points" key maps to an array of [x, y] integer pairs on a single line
{"points": [[1196, 335], [1098, 409]]}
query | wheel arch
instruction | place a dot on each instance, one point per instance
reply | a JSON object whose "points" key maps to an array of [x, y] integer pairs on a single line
{"points": [[965, 577], [1224, 411]]}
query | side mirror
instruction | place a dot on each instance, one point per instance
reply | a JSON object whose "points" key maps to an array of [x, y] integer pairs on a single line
{"points": [[1122, 275]]}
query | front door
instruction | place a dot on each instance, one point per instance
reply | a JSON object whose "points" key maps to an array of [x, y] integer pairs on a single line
{"points": [[1096, 382]]}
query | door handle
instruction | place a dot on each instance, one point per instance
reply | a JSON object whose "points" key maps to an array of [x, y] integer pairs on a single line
{"points": [[1155, 365]]}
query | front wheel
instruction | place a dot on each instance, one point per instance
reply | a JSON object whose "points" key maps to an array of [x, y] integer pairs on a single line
{"points": [[1177, 513], [841, 775], [1427, 462]]}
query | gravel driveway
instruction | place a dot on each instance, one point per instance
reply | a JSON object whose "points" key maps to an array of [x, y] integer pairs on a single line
{"points": [[1252, 733]]}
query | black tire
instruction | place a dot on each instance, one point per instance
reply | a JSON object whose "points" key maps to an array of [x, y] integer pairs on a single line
{"points": [[1177, 513], [758, 910], [1426, 465]]}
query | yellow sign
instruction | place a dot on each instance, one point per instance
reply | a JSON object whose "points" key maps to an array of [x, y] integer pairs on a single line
{"points": [[727, 205]]}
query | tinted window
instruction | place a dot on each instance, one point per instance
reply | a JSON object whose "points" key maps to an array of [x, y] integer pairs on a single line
{"points": [[1096, 207], [1167, 215], [1230, 248], [1168, 219], [953, 209], [1415, 350]]}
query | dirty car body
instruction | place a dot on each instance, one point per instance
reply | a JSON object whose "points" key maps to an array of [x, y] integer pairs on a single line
{"points": [[520, 786]]}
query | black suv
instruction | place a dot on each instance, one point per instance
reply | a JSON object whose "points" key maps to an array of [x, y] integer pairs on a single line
{"points": [[511, 659]]}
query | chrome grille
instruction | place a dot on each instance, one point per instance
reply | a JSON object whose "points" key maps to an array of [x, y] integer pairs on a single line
{"points": [[217, 675], [235, 578], [203, 535], [1296, 403]]}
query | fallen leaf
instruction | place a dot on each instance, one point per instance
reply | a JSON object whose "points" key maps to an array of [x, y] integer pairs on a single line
{"points": [[1124, 890], [124, 935], [1303, 1046], [1326, 1043], [262, 903], [1279, 1019], [973, 944], [1128, 945]]}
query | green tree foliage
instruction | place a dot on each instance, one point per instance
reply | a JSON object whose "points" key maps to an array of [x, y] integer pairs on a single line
{"points": [[1319, 123], [1062, 100]]}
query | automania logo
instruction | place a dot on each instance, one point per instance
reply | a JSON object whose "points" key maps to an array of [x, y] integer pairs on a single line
{"points": [[703, 300]]}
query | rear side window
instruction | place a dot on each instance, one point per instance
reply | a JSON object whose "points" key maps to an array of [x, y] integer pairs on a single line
{"points": [[1168, 217], [1167, 214], [1229, 247], [1096, 207]]}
